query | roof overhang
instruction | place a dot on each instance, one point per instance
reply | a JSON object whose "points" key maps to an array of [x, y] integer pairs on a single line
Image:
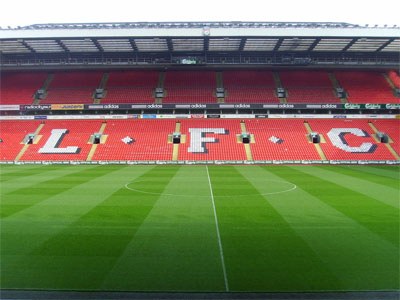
{"points": [[198, 37]]}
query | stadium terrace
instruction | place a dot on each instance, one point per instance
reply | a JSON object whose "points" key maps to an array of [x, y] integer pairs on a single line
{"points": [[187, 160]]}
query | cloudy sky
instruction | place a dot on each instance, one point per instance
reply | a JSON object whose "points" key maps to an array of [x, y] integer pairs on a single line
{"points": [[26, 12]]}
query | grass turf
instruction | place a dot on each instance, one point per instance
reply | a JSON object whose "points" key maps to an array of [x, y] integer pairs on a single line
{"points": [[198, 228]]}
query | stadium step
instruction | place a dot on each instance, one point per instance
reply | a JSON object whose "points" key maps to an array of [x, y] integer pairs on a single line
{"points": [[44, 87], [94, 146], [220, 84], [26, 146], [175, 150], [160, 84], [161, 80], [247, 148], [104, 80], [390, 82], [336, 85], [278, 84], [48, 81], [317, 146], [388, 146]]}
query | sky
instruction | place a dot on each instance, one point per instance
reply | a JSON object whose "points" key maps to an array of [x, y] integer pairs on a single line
{"points": [[27, 12]]}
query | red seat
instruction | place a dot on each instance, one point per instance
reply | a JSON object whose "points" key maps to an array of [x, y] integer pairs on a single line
{"points": [[333, 152], [131, 87], [78, 135], [12, 134], [278, 139], [150, 140], [366, 87], [224, 147], [190, 87], [72, 87], [147, 139], [308, 87], [20, 88], [249, 87]]}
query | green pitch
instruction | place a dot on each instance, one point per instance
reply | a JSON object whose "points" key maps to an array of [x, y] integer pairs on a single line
{"points": [[198, 228]]}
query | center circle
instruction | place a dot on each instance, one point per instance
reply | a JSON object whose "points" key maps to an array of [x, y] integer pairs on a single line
{"points": [[277, 186]]}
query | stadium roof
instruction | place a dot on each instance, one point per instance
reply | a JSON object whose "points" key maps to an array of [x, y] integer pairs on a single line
{"points": [[178, 37]]}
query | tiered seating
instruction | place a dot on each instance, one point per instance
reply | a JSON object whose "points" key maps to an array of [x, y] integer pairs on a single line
{"points": [[78, 135], [308, 87], [278, 139], [366, 87], [20, 88], [12, 134], [205, 139], [392, 129], [395, 78], [190, 87], [249, 87], [149, 140], [72, 87], [131, 87], [224, 147], [332, 147]]}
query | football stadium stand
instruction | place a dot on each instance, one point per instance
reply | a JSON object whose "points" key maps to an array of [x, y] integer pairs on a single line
{"points": [[199, 139], [131, 87], [20, 87], [13, 135], [211, 140], [186, 91], [72, 87], [197, 87], [395, 78], [136, 140], [308, 87], [62, 140], [190, 87], [350, 139], [280, 140], [366, 87], [249, 87], [392, 129]]}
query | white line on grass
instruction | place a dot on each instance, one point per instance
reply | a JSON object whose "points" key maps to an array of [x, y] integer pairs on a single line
{"points": [[221, 251]]}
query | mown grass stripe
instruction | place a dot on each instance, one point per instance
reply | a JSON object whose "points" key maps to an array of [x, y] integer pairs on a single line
{"points": [[359, 184], [373, 214], [26, 180], [389, 178], [381, 170], [11, 172], [175, 248], [27, 229], [359, 258], [262, 252], [23, 198], [101, 234]]}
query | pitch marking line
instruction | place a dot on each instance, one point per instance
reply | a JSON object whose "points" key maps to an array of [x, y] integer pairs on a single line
{"points": [[221, 251]]}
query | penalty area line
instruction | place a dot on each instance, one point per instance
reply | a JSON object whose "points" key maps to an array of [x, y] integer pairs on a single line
{"points": [[221, 251]]}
